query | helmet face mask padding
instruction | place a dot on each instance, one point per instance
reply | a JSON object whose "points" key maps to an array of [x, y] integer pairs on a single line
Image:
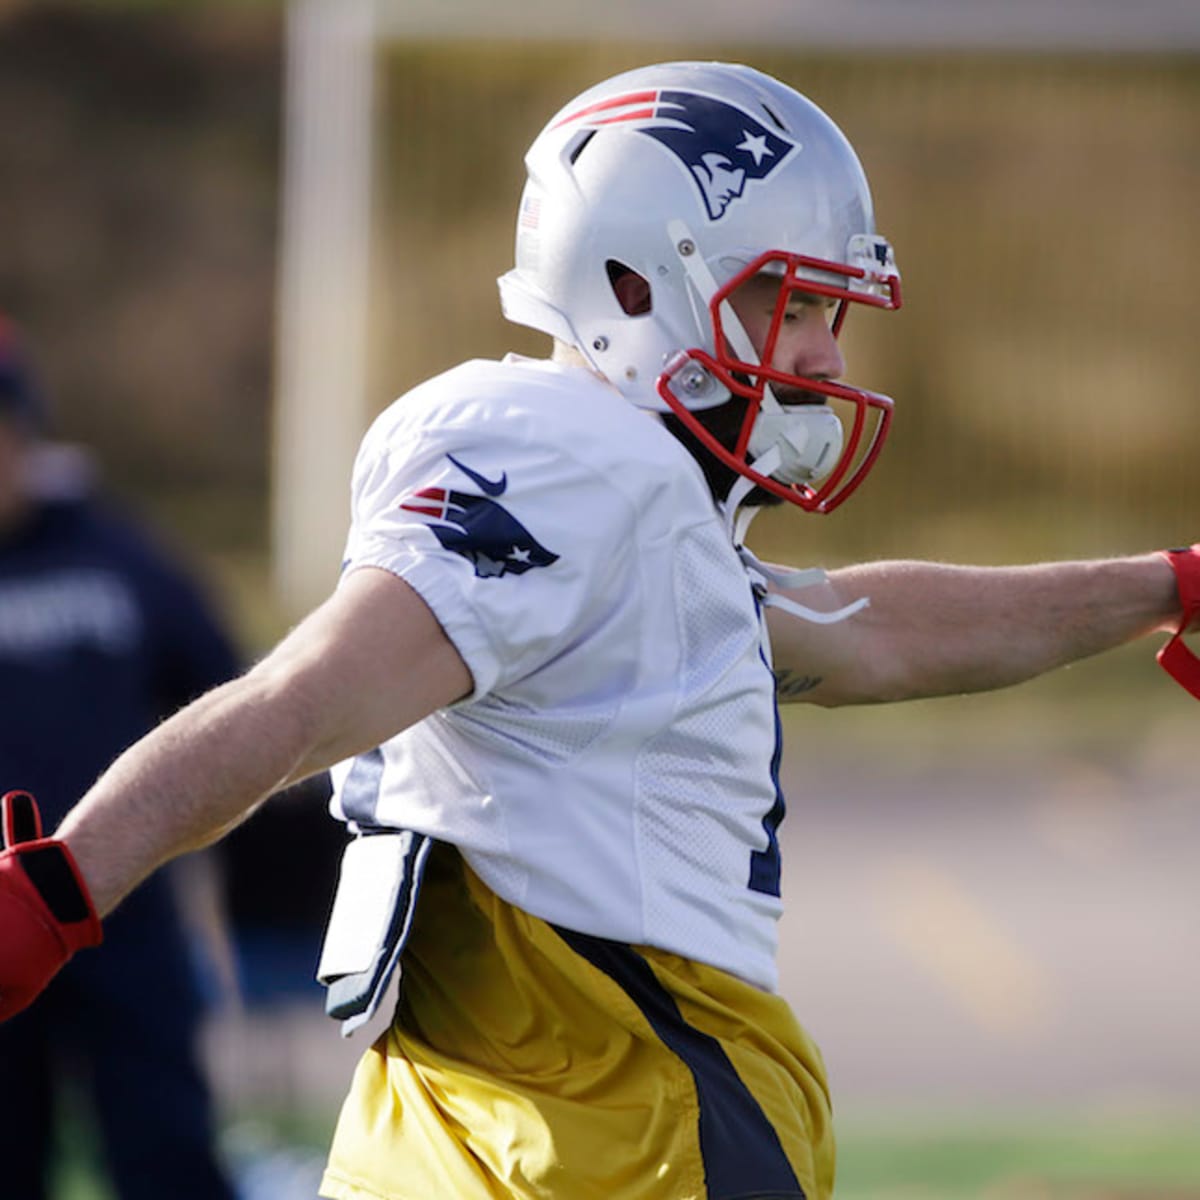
{"points": [[649, 199]]}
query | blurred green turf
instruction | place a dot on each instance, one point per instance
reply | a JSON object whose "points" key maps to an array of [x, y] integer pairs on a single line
{"points": [[918, 1159], [1050, 1160]]}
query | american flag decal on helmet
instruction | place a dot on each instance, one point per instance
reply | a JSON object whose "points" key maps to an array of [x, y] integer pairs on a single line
{"points": [[723, 147]]}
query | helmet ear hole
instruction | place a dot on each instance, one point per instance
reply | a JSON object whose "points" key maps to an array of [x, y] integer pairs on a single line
{"points": [[631, 289]]}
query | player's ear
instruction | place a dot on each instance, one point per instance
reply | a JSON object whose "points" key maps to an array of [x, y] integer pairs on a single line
{"points": [[631, 289]]}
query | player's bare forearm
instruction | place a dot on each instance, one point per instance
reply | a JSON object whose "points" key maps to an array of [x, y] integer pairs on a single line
{"points": [[178, 789], [933, 629], [334, 687]]}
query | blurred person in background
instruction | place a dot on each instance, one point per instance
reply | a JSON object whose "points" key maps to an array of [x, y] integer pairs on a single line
{"points": [[550, 672], [102, 635]]}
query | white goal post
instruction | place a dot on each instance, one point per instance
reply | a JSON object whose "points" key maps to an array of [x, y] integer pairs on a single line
{"points": [[321, 402]]}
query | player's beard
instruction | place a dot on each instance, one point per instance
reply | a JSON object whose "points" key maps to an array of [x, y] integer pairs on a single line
{"points": [[725, 424]]}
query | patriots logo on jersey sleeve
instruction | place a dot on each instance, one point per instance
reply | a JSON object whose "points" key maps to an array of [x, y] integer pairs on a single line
{"points": [[485, 533], [723, 147]]}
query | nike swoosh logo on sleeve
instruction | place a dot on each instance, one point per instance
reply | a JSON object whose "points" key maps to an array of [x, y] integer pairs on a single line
{"points": [[487, 486]]}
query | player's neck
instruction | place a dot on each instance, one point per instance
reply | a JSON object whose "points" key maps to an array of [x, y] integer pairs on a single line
{"points": [[569, 356]]}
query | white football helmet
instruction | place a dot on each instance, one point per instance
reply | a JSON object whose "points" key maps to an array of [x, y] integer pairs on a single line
{"points": [[696, 176]]}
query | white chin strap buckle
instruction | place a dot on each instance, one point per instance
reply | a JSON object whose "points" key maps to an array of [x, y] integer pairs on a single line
{"points": [[809, 439], [763, 577]]}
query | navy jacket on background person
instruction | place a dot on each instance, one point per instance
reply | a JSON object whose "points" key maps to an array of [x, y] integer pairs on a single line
{"points": [[101, 637]]}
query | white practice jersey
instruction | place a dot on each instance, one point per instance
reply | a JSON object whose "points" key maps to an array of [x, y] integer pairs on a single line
{"points": [[614, 770]]}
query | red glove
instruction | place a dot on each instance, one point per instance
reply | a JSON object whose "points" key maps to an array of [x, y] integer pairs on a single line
{"points": [[1176, 659], [46, 913]]}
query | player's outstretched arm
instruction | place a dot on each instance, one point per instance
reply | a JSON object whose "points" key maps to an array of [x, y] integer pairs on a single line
{"points": [[369, 662], [933, 629]]}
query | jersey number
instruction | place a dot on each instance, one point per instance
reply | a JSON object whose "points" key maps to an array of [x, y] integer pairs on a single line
{"points": [[765, 865]]}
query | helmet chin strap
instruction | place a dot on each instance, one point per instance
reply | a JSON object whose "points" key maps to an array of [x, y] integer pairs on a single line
{"points": [[737, 517], [705, 284], [809, 440]]}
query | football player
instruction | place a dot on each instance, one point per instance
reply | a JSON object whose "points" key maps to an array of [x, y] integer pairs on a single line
{"points": [[549, 678]]}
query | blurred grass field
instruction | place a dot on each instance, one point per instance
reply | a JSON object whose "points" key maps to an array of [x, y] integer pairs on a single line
{"points": [[1056, 1158], [886, 1158]]}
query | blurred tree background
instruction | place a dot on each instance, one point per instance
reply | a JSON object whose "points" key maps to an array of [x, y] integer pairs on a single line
{"points": [[139, 166], [1041, 205]]}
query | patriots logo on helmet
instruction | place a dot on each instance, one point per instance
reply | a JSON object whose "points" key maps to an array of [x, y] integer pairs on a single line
{"points": [[485, 533], [723, 147]]}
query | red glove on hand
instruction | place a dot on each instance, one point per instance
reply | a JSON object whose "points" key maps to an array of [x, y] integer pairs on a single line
{"points": [[46, 913], [1176, 659]]}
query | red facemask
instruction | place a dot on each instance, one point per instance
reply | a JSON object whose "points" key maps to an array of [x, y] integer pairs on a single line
{"points": [[865, 415]]}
